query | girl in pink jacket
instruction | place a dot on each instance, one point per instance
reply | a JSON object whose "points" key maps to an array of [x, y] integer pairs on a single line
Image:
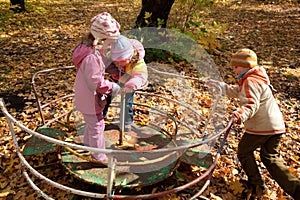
{"points": [[91, 89]]}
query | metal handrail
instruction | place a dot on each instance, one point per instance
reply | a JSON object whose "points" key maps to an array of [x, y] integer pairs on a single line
{"points": [[110, 152], [39, 104], [11, 120]]}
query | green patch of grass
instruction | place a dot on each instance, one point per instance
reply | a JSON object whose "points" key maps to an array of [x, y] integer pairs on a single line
{"points": [[5, 15], [8, 18], [37, 8]]}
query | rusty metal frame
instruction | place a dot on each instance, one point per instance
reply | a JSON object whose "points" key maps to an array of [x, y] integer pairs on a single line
{"points": [[111, 164]]}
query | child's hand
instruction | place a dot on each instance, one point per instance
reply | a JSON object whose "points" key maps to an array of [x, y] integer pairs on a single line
{"points": [[127, 90], [235, 118], [115, 89]]}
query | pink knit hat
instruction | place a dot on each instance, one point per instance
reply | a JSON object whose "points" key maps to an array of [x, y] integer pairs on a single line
{"points": [[122, 49], [104, 26]]}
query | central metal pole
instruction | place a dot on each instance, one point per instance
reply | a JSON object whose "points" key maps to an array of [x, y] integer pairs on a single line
{"points": [[122, 118]]}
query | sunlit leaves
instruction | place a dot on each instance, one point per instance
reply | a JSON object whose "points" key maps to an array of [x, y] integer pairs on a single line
{"points": [[236, 187], [45, 36]]}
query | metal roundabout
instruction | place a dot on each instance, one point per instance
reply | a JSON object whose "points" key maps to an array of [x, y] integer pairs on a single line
{"points": [[146, 155], [181, 124]]}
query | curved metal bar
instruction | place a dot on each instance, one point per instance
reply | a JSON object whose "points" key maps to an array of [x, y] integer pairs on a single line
{"points": [[111, 152], [23, 160], [175, 101], [35, 187], [208, 172], [145, 93], [132, 163], [106, 151], [177, 75], [206, 184], [214, 106], [159, 112], [162, 112], [47, 138], [35, 91], [58, 99], [36, 173], [196, 79]]}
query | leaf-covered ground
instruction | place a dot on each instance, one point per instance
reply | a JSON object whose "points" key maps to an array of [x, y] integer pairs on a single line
{"points": [[45, 36]]}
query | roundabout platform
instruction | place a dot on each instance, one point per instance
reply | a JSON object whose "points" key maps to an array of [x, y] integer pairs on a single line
{"points": [[137, 167]]}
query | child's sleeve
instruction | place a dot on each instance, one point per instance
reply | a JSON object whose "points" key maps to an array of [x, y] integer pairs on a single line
{"points": [[249, 100], [94, 75], [139, 76]]}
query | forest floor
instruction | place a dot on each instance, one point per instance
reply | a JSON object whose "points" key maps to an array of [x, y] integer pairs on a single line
{"points": [[45, 36]]}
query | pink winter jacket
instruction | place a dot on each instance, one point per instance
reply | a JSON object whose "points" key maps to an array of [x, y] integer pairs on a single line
{"points": [[259, 110], [89, 82]]}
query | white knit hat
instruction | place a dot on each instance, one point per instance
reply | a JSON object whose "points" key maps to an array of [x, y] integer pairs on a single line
{"points": [[104, 26], [121, 49]]}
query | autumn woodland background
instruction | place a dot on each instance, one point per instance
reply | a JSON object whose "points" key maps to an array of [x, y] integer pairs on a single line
{"points": [[44, 36]]}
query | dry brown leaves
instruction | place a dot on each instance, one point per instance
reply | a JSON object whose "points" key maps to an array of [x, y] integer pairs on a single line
{"points": [[45, 37]]}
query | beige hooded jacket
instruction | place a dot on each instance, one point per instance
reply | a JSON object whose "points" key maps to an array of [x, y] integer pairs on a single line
{"points": [[258, 110]]}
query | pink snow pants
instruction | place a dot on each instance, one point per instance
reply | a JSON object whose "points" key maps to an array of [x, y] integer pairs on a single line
{"points": [[94, 134]]}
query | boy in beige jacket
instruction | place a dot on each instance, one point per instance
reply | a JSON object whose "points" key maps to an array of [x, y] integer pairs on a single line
{"points": [[263, 123]]}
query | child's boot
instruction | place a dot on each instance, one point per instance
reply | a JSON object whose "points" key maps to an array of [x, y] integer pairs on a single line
{"points": [[252, 191]]}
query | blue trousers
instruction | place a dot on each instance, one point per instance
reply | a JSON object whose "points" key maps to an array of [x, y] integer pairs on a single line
{"points": [[129, 114]]}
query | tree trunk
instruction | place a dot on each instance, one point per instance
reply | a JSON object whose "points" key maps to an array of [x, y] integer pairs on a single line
{"points": [[17, 5], [159, 9]]}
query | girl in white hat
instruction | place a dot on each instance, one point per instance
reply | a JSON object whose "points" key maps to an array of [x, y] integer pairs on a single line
{"points": [[130, 70], [91, 89]]}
